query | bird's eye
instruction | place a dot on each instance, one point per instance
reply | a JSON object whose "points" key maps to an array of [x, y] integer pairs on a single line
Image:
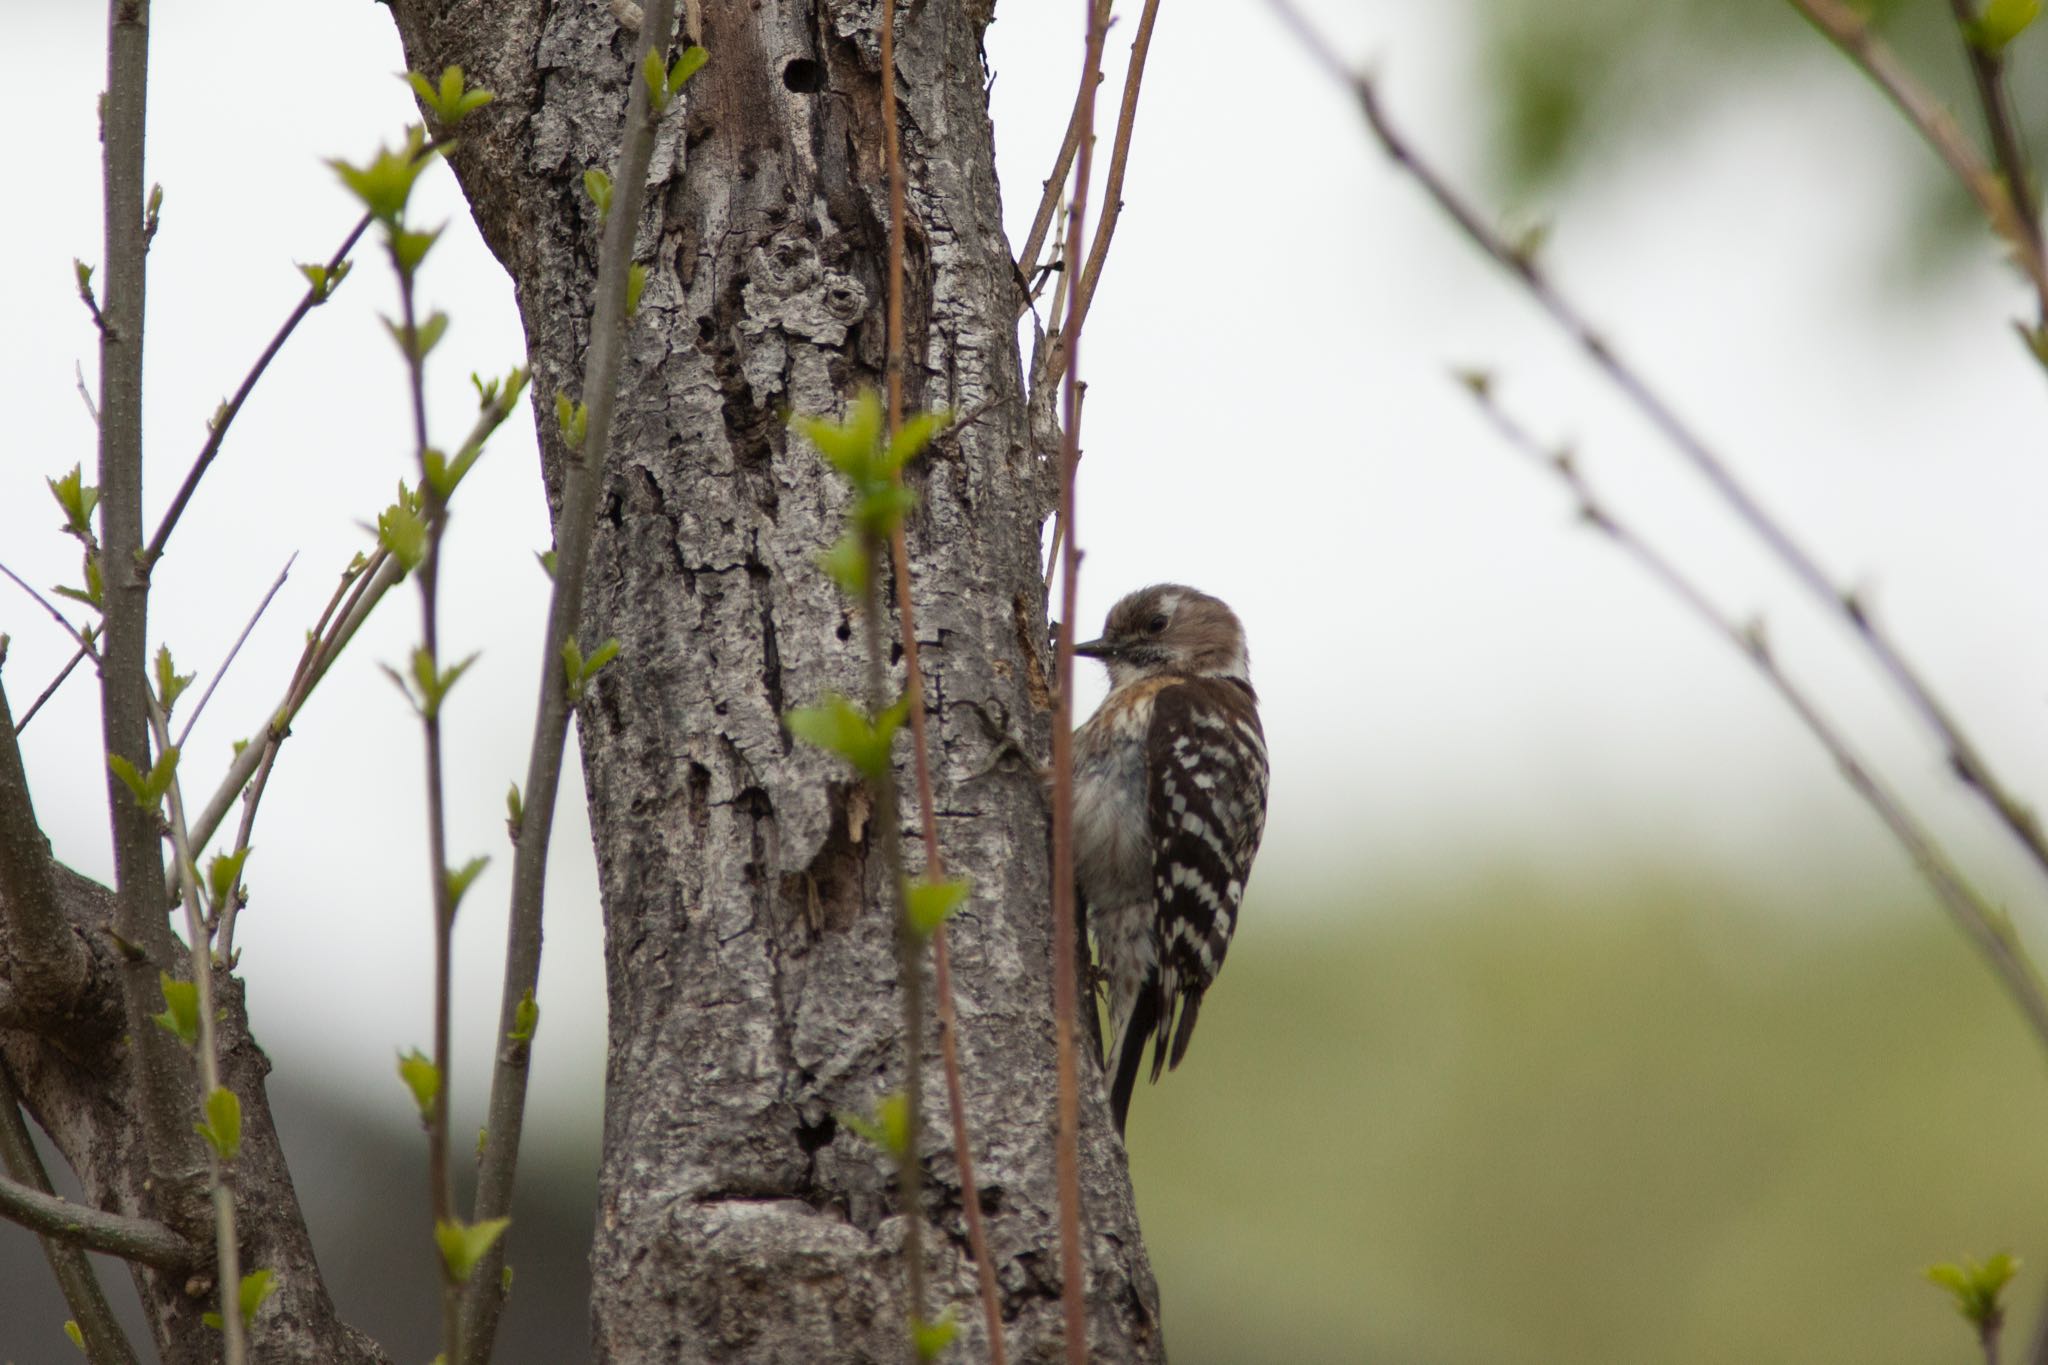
{"points": [[1156, 624]]}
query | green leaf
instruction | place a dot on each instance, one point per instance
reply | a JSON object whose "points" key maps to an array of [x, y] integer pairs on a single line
{"points": [[447, 101], [409, 249], [573, 419], [525, 1018], [657, 80], [889, 1129], [847, 564], [256, 1286], [223, 873], [850, 446], [180, 1018], [403, 534], [2001, 21], [223, 1127], [547, 562], [459, 879], [577, 671], [130, 778], [464, 1244], [322, 282], [1977, 1287], [930, 904], [838, 726], [636, 284], [384, 183], [914, 435], [930, 1339], [83, 272], [877, 511], [687, 64], [423, 1078], [77, 498], [148, 790], [598, 185], [515, 809], [72, 1330], [427, 687], [170, 684], [416, 344]]}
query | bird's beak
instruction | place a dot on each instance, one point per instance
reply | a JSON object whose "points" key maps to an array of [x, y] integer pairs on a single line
{"points": [[1095, 649]]}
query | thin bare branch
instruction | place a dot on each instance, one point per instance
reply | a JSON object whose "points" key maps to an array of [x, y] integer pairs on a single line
{"points": [[1982, 923], [1066, 935], [1113, 186], [78, 636], [575, 527], [935, 868], [217, 429], [105, 1342], [227, 1249], [50, 688], [1056, 183], [1967, 761], [1851, 32], [240, 640]]}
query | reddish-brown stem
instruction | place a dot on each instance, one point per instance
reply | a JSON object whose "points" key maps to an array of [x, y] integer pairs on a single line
{"points": [[1066, 1004], [949, 1049], [1113, 185], [1049, 200]]}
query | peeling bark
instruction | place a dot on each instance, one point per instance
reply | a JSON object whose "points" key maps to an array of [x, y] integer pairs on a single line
{"points": [[752, 980]]}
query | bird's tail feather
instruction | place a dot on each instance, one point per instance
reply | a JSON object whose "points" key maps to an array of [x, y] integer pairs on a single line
{"points": [[1128, 1051]]}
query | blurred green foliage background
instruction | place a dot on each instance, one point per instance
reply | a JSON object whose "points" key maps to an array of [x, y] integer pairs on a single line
{"points": [[1507, 1122]]}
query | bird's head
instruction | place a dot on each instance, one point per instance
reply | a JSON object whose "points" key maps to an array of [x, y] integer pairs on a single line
{"points": [[1170, 630]]}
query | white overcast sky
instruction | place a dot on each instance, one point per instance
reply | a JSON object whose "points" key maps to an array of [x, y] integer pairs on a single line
{"points": [[1455, 676]]}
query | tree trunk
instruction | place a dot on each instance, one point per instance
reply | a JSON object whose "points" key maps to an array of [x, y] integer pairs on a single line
{"points": [[753, 984]]}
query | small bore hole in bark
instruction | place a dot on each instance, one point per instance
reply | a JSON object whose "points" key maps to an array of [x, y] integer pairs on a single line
{"points": [[804, 76], [812, 1136], [845, 631]]}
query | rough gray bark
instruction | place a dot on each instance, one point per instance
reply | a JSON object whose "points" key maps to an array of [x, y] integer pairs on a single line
{"points": [[752, 982]]}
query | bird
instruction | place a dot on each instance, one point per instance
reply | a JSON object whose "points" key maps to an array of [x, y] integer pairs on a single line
{"points": [[1169, 791]]}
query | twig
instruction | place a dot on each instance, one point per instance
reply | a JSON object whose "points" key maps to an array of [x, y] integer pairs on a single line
{"points": [[1980, 922], [314, 296], [1963, 756], [1066, 944], [105, 1342], [575, 527], [1113, 186], [1056, 183], [227, 1251], [949, 1027], [83, 640], [1850, 32], [375, 580], [50, 689], [440, 1170], [79, 1225], [1987, 71], [240, 640]]}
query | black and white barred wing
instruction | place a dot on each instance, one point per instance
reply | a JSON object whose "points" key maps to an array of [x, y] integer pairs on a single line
{"points": [[1207, 809]]}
